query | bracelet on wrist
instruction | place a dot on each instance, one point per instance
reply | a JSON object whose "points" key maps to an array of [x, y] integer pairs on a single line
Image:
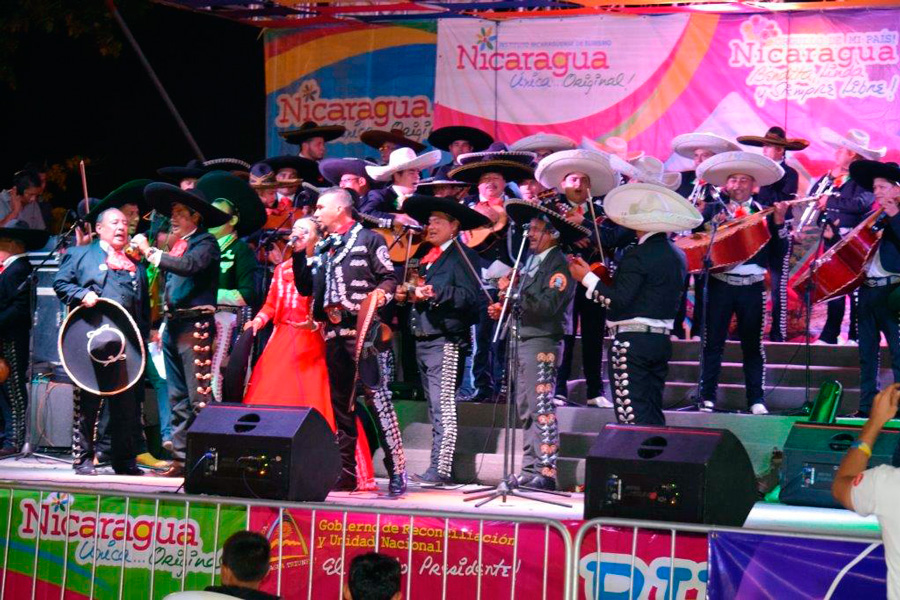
{"points": [[862, 447]]}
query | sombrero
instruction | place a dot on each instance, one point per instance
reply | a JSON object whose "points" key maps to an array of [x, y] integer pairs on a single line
{"points": [[856, 140], [402, 159], [420, 207], [511, 169], [650, 207], [686, 143], [162, 196], [552, 170], [101, 349], [612, 145], [497, 151], [226, 164], [262, 177], [193, 170], [543, 141], [444, 136], [377, 137], [775, 136], [717, 169], [310, 130], [647, 169], [332, 169], [32, 239], [222, 185], [131, 192], [307, 170], [430, 183], [523, 211], [864, 172]]}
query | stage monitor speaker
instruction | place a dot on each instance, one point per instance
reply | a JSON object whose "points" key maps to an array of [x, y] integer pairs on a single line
{"points": [[675, 474], [261, 452], [812, 455], [50, 415], [49, 314]]}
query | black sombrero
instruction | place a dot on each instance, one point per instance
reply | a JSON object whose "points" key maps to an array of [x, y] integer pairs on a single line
{"points": [[864, 172], [32, 239], [522, 212], [509, 169], [420, 207], [443, 137], [227, 164], [310, 130], [430, 183], [498, 151], [775, 136], [375, 138], [219, 185], [195, 169], [332, 169], [307, 170], [131, 192], [162, 196], [87, 209], [101, 349]]}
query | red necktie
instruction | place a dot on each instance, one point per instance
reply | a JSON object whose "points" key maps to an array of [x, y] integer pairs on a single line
{"points": [[178, 248], [117, 260], [432, 256]]}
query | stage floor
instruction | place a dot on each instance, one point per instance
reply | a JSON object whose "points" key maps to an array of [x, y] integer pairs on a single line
{"points": [[33, 471]]}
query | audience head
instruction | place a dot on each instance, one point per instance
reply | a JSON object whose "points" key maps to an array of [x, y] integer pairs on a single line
{"points": [[373, 576], [245, 559]]}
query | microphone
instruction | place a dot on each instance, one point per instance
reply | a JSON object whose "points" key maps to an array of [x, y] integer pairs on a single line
{"points": [[292, 240], [414, 227]]}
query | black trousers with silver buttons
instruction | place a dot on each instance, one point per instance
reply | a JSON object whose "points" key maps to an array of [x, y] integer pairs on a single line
{"points": [[638, 365]]}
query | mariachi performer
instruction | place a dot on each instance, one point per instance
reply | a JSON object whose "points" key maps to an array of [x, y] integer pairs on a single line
{"points": [[191, 271], [457, 140], [388, 141], [844, 204], [544, 292], [312, 137], [446, 297], [108, 293], [402, 174], [16, 238], [350, 174], [741, 290], [291, 172], [775, 145], [236, 297], [642, 298], [184, 177], [350, 277]]}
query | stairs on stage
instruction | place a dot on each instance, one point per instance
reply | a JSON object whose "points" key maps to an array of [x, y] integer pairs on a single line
{"points": [[480, 440]]}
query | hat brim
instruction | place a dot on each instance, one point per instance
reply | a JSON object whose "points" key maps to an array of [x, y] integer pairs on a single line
{"points": [[223, 185], [443, 137], [131, 192], [835, 140], [326, 132], [375, 138], [333, 169], [523, 211], [178, 174], [717, 169], [87, 374], [670, 180], [686, 143], [32, 239], [431, 184], [756, 141], [162, 196], [510, 170], [552, 170], [420, 207], [650, 207], [865, 172], [521, 157], [543, 141], [307, 170], [423, 161]]}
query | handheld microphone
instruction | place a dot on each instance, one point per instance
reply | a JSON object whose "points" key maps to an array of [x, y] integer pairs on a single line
{"points": [[414, 227], [292, 240]]}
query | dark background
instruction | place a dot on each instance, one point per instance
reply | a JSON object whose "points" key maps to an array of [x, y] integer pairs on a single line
{"points": [[67, 100]]}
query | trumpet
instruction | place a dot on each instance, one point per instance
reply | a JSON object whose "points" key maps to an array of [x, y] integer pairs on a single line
{"points": [[811, 213]]}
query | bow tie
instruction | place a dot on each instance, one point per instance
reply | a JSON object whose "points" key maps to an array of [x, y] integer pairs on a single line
{"points": [[119, 261], [178, 248], [432, 256]]}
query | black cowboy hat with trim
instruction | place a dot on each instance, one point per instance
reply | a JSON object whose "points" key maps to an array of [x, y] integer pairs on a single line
{"points": [[162, 196], [510, 170], [195, 169], [375, 138], [498, 151], [131, 192], [430, 183], [310, 130], [523, 211], [775, 136], [307, 170], [444, 136], [420, 207], [864, 172], [332, 169], [222, 185], [101, 348], [227, 164], [32, 239]]}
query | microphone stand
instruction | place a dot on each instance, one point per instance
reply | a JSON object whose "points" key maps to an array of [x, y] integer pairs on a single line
{"points": [[807, 299]]}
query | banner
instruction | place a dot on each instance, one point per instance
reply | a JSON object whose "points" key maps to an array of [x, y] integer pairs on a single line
{"points": [[360, 76], [650, 78], [751, 566]]}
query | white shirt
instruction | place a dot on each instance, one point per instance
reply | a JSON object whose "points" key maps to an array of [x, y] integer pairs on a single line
{"points": [[11, 259], [875, 492], [876, 269], [154, 258], [402, 195]]}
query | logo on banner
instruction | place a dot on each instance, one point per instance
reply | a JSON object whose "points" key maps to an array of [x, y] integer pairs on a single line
{"points": [[803, 66], [412, 114], [294, 550], [612, 573]]}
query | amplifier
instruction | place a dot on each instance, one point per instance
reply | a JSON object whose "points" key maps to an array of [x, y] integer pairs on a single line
{"points": [[50, 415]]}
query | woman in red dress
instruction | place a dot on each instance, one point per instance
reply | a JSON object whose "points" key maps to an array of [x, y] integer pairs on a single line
{"points": [[291, 370]]}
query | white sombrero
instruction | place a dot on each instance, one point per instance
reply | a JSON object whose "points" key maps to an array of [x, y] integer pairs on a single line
{"points": [[552, 170], [650, 207], [543, 141], [717, 169], [856, 140], [686, 143], [646, 169], [402, 159], [611, 146]]}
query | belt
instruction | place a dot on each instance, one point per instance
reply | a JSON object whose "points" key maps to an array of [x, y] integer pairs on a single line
{"points": [[190, 313], [882, 281], [739, 279], [640, 328]]}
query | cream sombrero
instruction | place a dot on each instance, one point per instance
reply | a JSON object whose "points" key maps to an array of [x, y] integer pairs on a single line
{"points": [[717, 169], [856, 140], [612, 145], [650, 207], [686, 143], [646, 169], [402, 159], [552, 170], [543, 141]]}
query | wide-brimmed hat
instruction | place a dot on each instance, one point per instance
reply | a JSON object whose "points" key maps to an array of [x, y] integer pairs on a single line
{"points": [[611, 146], [310, 130], [444, 136], [646, 169], [523, 211], [775, 136], [856, 140], [101, 348], [131, 192], [332, 169], [552, 170], [543, 141], [162, 196], [686, 143], [420, 207], [86, 209], [650, 207], [32, 239], [402, 159], [430, 183], [307, 170], [511, 170], [377, 137], [864, 172], [497, 151], [222, 185], [195, 169], [227, 164], [262, 177], [717, 169]]}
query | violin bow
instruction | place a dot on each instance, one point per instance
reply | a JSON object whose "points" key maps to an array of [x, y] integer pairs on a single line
{"points": [[472, 270], [84, 189], [590, 203]]}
